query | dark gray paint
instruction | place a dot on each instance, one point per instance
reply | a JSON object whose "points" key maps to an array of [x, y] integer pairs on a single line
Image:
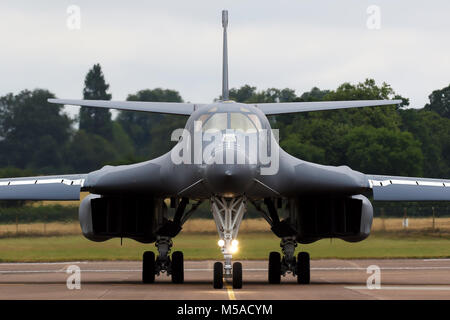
{"points": [[40, 192], [160, 177], [158, 107], [392, 191], [292, 107], [33, 191], [225, 95]]}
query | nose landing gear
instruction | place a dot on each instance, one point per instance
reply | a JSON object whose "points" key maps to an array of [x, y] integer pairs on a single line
{"points": [[228, 214]]}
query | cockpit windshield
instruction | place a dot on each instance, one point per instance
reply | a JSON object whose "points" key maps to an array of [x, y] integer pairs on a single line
{"points": [[217, 121], [238, 121]]}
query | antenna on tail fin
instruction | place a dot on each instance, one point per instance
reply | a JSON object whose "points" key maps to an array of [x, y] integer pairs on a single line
{"points": [[225, 95]]}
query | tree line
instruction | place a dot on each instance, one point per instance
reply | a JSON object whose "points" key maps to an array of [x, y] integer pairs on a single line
{"points": [[39, 138]]}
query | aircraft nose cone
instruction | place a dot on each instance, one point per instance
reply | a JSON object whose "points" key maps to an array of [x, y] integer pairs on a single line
{"points": [[229, 180]]}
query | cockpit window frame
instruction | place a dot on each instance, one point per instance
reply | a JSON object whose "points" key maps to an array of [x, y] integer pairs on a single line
{"points": [[258, 121], [252, 119]]}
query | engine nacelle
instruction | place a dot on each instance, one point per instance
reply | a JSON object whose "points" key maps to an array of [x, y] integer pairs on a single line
{"points": [[86, 221], [346, 218], [104, 217]]}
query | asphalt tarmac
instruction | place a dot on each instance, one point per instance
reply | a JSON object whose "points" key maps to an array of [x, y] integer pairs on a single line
{"points": [[330, 279]]}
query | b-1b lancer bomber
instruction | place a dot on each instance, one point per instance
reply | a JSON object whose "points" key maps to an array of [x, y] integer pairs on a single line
{"points": [[229, 156]]}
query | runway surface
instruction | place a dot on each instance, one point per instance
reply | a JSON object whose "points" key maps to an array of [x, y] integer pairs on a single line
{"points": [[330, 279]]}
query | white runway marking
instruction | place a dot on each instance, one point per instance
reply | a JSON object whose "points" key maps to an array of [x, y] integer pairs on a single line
{"points": [[436, 259], [208, 270], [413, 288], [40, 263], [384, 268], [64, 271], [343, 268]]}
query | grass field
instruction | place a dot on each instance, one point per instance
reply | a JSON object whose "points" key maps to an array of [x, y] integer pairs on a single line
{"points": [[198, 240], [416, 225], [204, 246]]}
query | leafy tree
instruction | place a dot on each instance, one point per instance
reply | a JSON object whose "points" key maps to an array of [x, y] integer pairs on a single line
{"points": [[383, 151], [303, 150], [243, 94], [440, 102], [8, 172], [433, 131], [248, 94], [88, 152], [150, 132], [327, 129], [315, 94], [121, 141], [96, 120], [383, 116], [33, 132], [37, 138]]}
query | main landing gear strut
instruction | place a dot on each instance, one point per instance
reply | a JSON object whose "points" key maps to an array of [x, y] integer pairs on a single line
{"points": [[163, 264], [228, 214], [174, 266], [281, 265]]}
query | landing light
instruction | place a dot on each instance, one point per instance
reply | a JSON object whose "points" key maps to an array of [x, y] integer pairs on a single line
{"points": [[234, 246], [221, 243]]}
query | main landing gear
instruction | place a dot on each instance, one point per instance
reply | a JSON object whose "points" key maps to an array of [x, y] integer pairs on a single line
{"points": [[228, 214], [163, 264], [281, 265], [174, 266], [299, 267]]}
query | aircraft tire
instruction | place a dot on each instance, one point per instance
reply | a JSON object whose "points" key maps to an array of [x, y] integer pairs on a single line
{"points": [[237, 275], [148, 267], [274, 267], [303, 268], [177, 267], [218, 275]]}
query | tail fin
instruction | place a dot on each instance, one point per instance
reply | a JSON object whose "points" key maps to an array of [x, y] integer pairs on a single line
{"points": [[225, 94]]}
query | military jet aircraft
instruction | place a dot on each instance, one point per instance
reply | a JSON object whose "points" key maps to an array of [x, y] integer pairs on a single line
{"points": [[228, 155]]}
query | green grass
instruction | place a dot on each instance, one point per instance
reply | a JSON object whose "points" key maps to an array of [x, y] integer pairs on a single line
{"points": [[204, 246]]}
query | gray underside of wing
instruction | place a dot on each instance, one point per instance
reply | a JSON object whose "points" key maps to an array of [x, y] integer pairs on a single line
{"points": [[292, 107], [64, 187], [158, 107], [392, 188]]}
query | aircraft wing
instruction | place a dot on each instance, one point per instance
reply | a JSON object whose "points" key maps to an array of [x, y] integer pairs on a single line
{"points": [[292, 107], [159, 107], [391, 188], [64, 187]]}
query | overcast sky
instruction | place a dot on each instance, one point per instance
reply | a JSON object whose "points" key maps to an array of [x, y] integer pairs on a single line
{"points": [[177, 45]]}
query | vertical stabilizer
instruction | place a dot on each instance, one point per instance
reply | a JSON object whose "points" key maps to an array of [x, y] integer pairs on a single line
{"points": [[225, 95]]}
